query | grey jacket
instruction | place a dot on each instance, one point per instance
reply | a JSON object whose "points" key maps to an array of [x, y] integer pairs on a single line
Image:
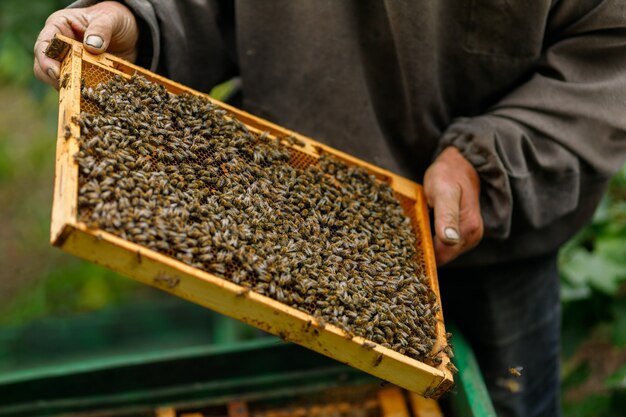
{"points": [[533, 92]]}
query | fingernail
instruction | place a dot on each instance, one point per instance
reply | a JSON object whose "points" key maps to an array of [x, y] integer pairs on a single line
{"points": [[95, 41], [52, 73], [451, 233]]}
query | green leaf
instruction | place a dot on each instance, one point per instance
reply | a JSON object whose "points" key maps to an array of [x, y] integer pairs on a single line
{"points": [[617, 380], [574, 377], [596, 270], [570, 267], [591, 406], [571, 292], [612, 247], [223, 90], [619, 323], [603, 211]]}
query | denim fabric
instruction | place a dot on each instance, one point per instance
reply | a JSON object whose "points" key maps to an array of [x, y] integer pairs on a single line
{"points": [[510, 314]]}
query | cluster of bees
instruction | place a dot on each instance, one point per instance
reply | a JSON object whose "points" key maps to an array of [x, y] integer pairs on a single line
{"points": [[176, 174]]}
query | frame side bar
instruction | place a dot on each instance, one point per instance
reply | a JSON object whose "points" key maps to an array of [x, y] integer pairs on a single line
{"points": [[65, 198]]}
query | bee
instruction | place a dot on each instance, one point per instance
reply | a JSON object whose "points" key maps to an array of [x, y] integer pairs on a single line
{"points": [[510, 384], [264, 136], [368, 345], [430, 391], [67, 133], [167, 281], [516, 371], [378, 360], [452, 368], [280, 296], [292, 140], [243, 292]]}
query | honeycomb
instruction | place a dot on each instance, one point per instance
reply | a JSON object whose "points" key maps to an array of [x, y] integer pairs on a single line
{"points": [[200, 171]]}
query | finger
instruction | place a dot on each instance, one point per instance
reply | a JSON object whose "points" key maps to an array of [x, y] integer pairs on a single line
{"points": [[472, 233], [446, 204], [470, 226], [57, 23], [471, 221], [46, 70], [47, 77], [99, 32], [445, 253]]}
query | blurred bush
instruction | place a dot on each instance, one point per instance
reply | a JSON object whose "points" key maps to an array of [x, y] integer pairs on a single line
{"points": [[36, 280], [593, 269], [20, 23]]}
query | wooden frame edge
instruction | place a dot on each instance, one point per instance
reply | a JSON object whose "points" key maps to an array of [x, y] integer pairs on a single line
{"points": [[421, 210], [65, 197], [225, 297]]}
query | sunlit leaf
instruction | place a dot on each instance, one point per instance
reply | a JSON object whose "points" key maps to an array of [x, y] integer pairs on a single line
{"points": [[595, 270], [570, 292]]}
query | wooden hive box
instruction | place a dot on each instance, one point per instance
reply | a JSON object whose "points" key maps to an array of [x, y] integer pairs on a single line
{"points": [[218, 294]]}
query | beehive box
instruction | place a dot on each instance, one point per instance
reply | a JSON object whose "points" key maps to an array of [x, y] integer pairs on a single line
{"points": [[78, 69], [358, 401]]}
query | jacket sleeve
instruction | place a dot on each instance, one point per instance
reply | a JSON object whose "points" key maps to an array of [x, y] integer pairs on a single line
{"points": [[564, 127], [200, 50]]}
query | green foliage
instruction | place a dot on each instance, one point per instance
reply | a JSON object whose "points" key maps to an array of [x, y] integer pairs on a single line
{"points": [[72, 287], [6, 164], [591, 406], [619, 323], [36, 280], [576, 376], [597, 405], [593, 269], [20, 23], [14, 60], [617, 379], [595, 260], [223, 91], [24, 20]]}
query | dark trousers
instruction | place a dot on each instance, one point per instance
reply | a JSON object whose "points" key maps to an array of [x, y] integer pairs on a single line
{"points": [[510, 314]]}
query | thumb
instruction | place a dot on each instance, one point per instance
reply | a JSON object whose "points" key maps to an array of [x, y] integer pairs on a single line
{"points": [[98, 33], [446, 203]]}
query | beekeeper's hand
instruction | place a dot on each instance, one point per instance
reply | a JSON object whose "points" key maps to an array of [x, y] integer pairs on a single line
{"points": [[108, 26], [452, 189]]}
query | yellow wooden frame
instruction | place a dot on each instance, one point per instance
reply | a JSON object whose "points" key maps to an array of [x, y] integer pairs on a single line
{"points": [[208, 290]]}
